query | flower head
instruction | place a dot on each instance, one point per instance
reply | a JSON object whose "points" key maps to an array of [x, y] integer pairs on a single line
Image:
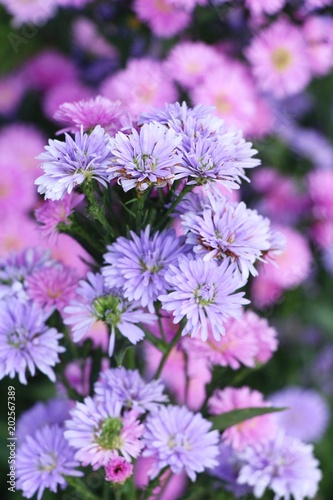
{"points": [[99, 432], [180, 439], [203, 292], [43, 460], [26, 342], [144, 159], [164, 18], [283, 464], [68, 164], [137, 266], [118, 470]]}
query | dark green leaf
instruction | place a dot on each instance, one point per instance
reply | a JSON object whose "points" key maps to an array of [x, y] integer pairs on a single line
{"points": [[234, 417]]}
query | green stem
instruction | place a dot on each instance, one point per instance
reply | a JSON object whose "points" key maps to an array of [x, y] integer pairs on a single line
{"points": [[158, 343], [165, 356], [187, 189], [80, 487], [94, 209]]}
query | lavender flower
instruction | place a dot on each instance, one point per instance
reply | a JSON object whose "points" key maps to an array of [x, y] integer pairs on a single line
{"points": [[145, 159], [285, 465], [42, 461], [202, 292], [100, 433], [130, 389], [180, 439], [99, 303], [26, 342], [68, 164], [16, 266], [137, 266], [229, 231]]}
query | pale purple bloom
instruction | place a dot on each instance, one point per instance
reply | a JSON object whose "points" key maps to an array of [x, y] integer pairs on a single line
{"points": [[228, 231], [69, 163], [130, 389], [203, 293], [99, 432], [180, 439], [118, 470], [54, 411], [283, 464], [17, 265], [177, 113], [26, 342], [146, 158], [90, 113], [306, 416], [97, 302], [52, 213], [42, 461], [137, 266]]}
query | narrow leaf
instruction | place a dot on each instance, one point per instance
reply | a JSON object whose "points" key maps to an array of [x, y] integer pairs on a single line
{"points": [[234, 417]]}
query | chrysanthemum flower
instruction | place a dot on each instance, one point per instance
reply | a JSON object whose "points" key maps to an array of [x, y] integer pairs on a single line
{"points": [[90, 113], [279, 59], [26, 343], [203, 293], [130, 389], [180, 439], [100, 433], [253, 430], [306, 415], [118, 470], [68, 164], [97, 302], [52, 213], [52, 287], [137, 266], [144, 159], [142, 84], [42, 461], [18, 265], [283, 464], [228, 231], [164, 18]]}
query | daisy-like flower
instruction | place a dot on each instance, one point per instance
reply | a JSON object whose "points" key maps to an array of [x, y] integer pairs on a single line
{"points": [[180, 439], [203, 293], [279, 59], [26, 343], [43, 460], [144, 159], [52, 213], [283, 464], [52, 287], [137, 266], [68, 164], [118, 470], [98, 303], [130, 389], [99, 432], [164, 18], [251, 431], [90, 113], [229, 231], [17, 265]]}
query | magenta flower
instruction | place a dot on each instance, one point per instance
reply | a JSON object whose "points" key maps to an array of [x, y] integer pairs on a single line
{"points": [[118, 470]]}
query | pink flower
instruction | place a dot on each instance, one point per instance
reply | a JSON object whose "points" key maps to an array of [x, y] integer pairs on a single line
{"points": [[250, 432], [87, 36], [173, 490], [317, 31], [320, 185], [189, 62], [49, 68], [142, 84], [32, 12], [259, 7], [12, 88], [64, 92], [279, 59], [163, 18], [322, 233], [16, 190], [118, 470], [52, 287]]}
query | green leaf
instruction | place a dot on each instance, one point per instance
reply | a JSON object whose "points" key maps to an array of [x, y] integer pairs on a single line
{"points": [[81, 487], [221, 422]]}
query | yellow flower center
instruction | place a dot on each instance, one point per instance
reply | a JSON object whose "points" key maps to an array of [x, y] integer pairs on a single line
{"points": [[281, 59]]}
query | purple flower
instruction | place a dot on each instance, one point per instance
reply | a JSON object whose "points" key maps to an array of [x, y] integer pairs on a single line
{"points": [[137, 266], [128, 387], [306, 416], [26, 342], [285, 465], [100, 433], [99, 303], [118, 470], [180, 439], [68, 164], [229, 231], [145, 159], [42, 461], [54, 411], [177, 114], [17, 265], [202, 293]]}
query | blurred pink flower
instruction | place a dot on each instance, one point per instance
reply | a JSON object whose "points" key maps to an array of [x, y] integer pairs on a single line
{"points": [[164, 19]]}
